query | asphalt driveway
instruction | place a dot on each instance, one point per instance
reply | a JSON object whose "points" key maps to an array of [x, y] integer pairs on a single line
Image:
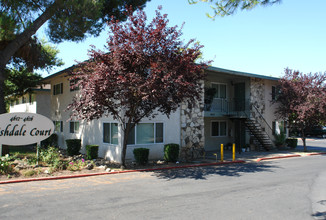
{"points": [[313, 144]]}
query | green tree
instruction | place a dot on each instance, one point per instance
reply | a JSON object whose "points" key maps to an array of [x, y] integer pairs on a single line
{"points": [[72, 20], [19, 74], [228, 7], [18, 82]]}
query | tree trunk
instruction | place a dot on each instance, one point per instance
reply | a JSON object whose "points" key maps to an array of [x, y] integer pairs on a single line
{"points": [[124, 150], [126, 132], [304, 144], [303, 138], [18, 42]]}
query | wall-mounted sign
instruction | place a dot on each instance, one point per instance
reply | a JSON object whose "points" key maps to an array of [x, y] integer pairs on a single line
{"points": [[24, 128]]}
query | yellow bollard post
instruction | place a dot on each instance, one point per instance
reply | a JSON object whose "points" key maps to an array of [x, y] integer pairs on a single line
{"points": [[222, 155], [233, 152]]}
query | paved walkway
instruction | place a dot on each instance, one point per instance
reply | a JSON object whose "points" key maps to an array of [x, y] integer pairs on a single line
{"points": [[314, 145]]}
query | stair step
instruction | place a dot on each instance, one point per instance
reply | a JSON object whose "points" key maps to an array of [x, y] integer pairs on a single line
{"points": [[259, 134]]}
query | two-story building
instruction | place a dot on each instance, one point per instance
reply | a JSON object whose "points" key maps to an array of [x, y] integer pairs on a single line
{"points": [[238, 109], [235, 108], [35, 100]]}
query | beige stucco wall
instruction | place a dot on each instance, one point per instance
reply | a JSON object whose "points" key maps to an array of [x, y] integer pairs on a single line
{"points": [[263, 87], [43, 103], [214, 143], [23, 107], [40, 105], [258, 91], [92, 132]]}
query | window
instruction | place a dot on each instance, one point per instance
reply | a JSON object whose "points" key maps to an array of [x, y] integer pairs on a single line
{"points": [[275, 92], [74, 127], [132, 137], [110, 133], [220, 90], [285, 127], [72, 85], [146, 133], [58, 89], [280, 126], [274, 127], [58, 126], [23, 99], [218, 128], [17, 101], [31, 98], [12, 103]]}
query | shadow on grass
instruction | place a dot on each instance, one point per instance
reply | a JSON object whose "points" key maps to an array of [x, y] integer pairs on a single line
{"points": [[234, 170]]}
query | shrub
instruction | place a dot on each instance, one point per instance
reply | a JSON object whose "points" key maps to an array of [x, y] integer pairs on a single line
{"points": [[141, 155], [280, 139], [91, 152], [76, 165], [29, 173], [32, 160], [171, 152], [73, 146], [292, 142], [50, 141], [5, 166], [50, 156]]}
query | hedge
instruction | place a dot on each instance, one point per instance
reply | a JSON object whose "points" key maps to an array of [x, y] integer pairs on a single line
{"points": [[171, 152], [73, 146], [91, 152], [141, 155], [292, 142]]}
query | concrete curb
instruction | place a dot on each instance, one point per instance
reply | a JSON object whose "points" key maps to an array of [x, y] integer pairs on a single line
{"points": [[278, 157], [118, 172], [289, 156], [313, 154]]}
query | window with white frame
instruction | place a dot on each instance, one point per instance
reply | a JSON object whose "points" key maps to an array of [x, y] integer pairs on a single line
{"points": [[110, 133], [58, 126], [218, 128], [146, 133], [58, 89], [220, 90], [74, 127]]}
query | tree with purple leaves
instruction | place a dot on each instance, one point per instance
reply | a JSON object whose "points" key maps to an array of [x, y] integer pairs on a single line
{"points": [[147, 70], [302, 101]]}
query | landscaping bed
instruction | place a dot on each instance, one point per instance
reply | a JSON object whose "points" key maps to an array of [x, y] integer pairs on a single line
{"points": [[56, 162]]}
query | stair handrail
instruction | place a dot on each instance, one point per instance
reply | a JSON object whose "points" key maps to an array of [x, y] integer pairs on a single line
{"points": [[261, 117]]}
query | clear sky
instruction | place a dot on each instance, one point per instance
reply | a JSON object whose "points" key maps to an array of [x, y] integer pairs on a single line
{"points": [[263, 41]]}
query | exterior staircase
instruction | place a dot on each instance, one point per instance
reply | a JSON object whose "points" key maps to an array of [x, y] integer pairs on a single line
{"points": [[259, 134], [255, 123]]}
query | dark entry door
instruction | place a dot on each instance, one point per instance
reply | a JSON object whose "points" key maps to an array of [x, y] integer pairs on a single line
{"points": [[239, 96], [240, 134]]}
